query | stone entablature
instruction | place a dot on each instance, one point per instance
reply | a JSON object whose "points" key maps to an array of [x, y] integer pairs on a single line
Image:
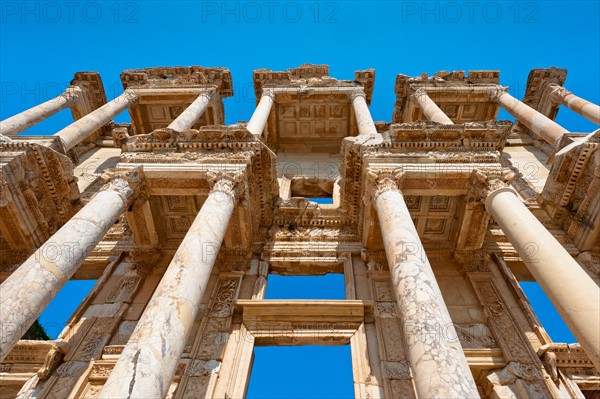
{"points": [[38, 193], [163, 93], [463, 98]]}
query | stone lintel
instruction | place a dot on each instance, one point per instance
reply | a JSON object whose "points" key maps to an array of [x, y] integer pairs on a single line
{"points": [[93, 95], [179, 77], [311, 77], [427, 136], [185, 179], [38, 193], [445, 86], [193, 139], [276, 322]]}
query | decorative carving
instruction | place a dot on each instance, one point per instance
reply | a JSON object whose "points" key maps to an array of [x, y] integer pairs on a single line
{"points": [[222, 305], [202, 368], [230, 183], [125, 289], [384, 179], [128, 183], [120, 135], [53, 360], [143, 260], [38, 193], [524, 364], [397, 370], [359, 92], [486, 181], [549, 362], [474, 335], [473, 261]]}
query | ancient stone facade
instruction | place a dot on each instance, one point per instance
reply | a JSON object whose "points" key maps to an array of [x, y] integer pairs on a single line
{"points": [[434, 218]]}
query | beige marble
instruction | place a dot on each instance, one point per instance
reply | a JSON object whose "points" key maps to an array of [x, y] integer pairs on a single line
{"points": [[169, 318], [259, 118], [572, 291], [583, 107], [82, 128], [544, 127], [436, 357], [148, 362], [26, 293], [28, 118], [364, 121], [190, 115], [430, 109]]}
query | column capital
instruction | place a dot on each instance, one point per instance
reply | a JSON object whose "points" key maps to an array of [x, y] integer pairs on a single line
{"points": [[130, 184], [129, 96], [358, 92], [231, 183], [209, 93], [381, 180], [72, 94], [484, 182], [558, 94], [268, 92], [420, 91], [495, 93]]}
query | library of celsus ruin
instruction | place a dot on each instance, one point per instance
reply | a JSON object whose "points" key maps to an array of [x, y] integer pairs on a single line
{"points": [[433, 219]]}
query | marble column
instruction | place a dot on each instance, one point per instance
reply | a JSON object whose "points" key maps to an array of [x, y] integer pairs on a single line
{"points": [[544, 127], [25, 293], [193, 112], [364, 120], [572, 291], [259, 118], [436, 357], [79, 130], [430, 109], [149, 361], [587, 109], [26, 119]]}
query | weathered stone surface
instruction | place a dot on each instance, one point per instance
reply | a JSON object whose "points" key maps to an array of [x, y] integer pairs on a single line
{"points": [[433, 218]]}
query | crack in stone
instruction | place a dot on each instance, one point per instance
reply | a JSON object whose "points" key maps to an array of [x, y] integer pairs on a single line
{"points": [[135, 363]]}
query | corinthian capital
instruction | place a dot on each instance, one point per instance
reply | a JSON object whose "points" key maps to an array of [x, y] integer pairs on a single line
{"points": [[358, 92], [495, 93], [558, 94], [420, 92], [267, 92], [130, 184], [231, 183], [383, 179], [486, 181]]}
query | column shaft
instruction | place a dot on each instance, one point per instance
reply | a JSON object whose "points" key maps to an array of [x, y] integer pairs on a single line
{"points": [[259, 118], [546, 128], [571, 290], [364, 120], [26, 119], [148, 362], [435, 354], [430, 109], [191, 114], [583, 107], [25, 294], [76, 132]]}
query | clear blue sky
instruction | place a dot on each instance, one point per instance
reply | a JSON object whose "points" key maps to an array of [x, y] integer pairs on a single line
{"points": [[43, 43]]}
